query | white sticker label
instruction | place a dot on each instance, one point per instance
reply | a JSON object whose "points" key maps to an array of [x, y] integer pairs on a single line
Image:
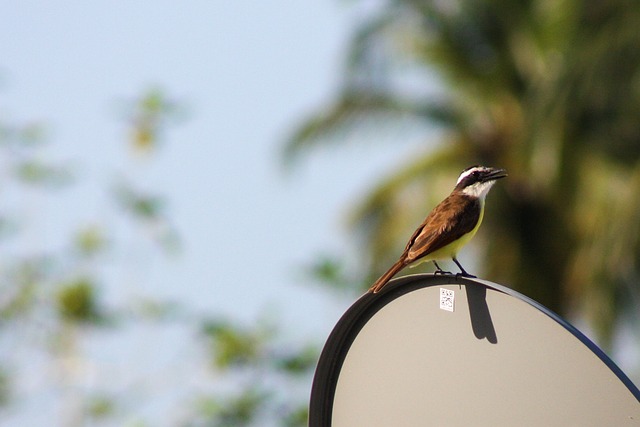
{"points": [[447, 299]]}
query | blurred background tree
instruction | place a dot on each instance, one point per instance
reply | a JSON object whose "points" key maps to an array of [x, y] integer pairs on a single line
{"points": [[549, 90]]}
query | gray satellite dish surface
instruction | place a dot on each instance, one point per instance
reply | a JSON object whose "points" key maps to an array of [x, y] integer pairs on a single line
{"points": [[449, 351]]}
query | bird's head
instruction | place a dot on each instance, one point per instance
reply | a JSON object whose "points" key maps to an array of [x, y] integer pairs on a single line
{"points": [[476, 181]]}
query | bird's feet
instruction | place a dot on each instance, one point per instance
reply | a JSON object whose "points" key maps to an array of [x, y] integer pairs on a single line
{"points": [[465, 274], [440, 271]]}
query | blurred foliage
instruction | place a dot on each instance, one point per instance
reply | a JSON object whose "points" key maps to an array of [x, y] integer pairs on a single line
{"points": [[149, 211], [140, 205], [296, 418], [258, 358], [252, 407], [241, 411], [23, 146], [549, 90], [39, 173], [90, 240], [299, 362], [20, 288], [149, 115], [100, 407], [159, 310], [5, 387], [232, 346], [77, 301], [334, 272], [55, 296]]}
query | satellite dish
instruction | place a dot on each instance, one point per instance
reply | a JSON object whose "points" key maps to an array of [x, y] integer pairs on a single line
{"points": [[451, 351]]}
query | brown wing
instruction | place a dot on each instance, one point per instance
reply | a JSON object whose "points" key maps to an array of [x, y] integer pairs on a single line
{"points": [[454, 217]]}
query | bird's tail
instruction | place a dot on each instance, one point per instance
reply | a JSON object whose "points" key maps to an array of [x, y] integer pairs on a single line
{"points": [[379, 284]]}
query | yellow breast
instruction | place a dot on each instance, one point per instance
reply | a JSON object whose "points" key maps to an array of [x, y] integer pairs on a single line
{"points": [[451, 250]]}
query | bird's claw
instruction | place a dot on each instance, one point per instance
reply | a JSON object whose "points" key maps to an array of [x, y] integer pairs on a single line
{"points": [[465, 274]]}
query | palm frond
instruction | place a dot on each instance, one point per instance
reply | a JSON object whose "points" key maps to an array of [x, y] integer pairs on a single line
{"points": [[549, 90], [357, 111]]}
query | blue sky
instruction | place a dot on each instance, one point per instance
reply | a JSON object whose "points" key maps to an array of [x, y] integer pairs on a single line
{"points": [[246, 73]]}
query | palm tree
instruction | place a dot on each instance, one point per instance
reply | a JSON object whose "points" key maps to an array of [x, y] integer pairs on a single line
{"points": [[549, 90]]}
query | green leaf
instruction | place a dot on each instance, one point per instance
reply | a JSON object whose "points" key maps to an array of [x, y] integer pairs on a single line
{"points": [[231, 411], [233, 346], [5, 386], [141, 205], [77, 301], [300, 362], [90, 240], [39, 173], [100, 407], [298, 417]]}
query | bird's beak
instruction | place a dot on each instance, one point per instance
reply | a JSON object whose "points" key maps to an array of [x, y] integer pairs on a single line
{"points": [[495, 174]]}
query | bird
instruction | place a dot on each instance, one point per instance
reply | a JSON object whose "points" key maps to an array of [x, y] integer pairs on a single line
{"points": [[449, 226]]}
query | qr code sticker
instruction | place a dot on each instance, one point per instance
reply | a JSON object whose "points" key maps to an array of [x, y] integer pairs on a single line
{"points": [[447, 299]]}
